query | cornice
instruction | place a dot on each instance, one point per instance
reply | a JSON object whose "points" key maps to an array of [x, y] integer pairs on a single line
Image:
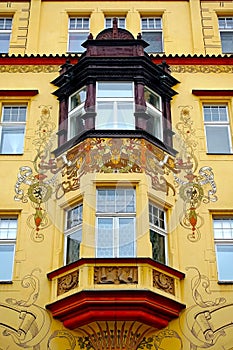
{"points": [[177, 63]]}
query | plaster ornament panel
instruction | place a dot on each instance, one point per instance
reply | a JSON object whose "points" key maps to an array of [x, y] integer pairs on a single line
{"points": [[115, 275], [163, 282], [29, 68], [67, 282], [201, 69]]}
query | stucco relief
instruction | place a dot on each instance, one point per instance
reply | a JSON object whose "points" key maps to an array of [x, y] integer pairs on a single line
{"points": [[187, 68]]}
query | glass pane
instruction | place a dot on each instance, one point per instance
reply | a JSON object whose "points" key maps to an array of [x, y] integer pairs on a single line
{"points": [[112, 89], [225, 261], [227, 42], [8, 228], [125, 116], [75, 216], [78, 98], [105, 116], [218, 139], [73, 246], [76, 123], [126, 237], [105, 241], [4, 42], [12, 140], [158, 246], [155, 41], [6, 261], [76, 40]]}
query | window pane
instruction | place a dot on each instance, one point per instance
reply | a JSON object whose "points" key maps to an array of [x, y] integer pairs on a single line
{"points": [[78, 98], [105, 114], [12, 140], [227, 42], [76, 40], [158, 246], [8, 228], [225, 261], [217, 139], [125, 116], [74, 216], [155, 41], [112, 89], [126, 237], [6, 261], [105, 242], [4, 42], [73, 246]]}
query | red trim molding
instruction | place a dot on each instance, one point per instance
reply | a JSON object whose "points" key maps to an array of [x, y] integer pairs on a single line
{"points": [[212, 92], [157, 59], [19, 93], [112, 261], [144, 306]]}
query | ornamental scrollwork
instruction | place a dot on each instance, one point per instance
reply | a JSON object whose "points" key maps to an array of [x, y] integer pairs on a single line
{"points": [[194, 186], [33, 184], [67, 282], [163, 282]]}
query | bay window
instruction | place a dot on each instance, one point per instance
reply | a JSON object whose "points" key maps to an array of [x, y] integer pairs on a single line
{"points": [[116, 210]]}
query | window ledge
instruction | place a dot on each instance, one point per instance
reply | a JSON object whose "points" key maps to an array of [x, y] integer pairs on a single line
{"points": [[225, 282], [6, 282]]}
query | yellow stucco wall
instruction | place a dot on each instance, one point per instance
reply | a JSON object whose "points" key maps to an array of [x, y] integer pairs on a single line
{"points": [[40, 27]]}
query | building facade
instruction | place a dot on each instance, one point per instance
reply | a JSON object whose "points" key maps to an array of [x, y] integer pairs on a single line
{"points": [[116, 218]]}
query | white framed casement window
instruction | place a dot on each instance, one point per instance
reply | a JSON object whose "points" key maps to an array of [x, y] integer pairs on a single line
{"points": [[8, 232], [12, 129], [78, 32], [154, 110], [158, 233], [217, 128], [115, 223], [223, 237], [120, 22], [152, 33], [5, 33], [225, 25], [115, 105], [75, 112], [73, 234]]}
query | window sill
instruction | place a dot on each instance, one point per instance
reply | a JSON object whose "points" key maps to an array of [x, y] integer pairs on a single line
{"points": [[219, 154], [225, 282], [6, 282]]}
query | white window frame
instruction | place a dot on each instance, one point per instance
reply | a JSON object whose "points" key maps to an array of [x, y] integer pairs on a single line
{"points": [[155, 112], [225, 25], [7, 239], [80, 28], [159, 227], [5, 31], [75, 114], [12, 125], [223, 238], [121, 22], [217, 124], [114, 122], [152, 25], [115, 216], [73, 229]]}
